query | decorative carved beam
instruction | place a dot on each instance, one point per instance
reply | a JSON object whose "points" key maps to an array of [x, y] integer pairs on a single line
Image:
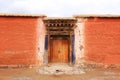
{"points": [[58, 27], [60, 32]]}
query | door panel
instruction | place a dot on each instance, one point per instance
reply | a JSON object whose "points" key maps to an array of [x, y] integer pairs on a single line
{"points": [[59, 50]]}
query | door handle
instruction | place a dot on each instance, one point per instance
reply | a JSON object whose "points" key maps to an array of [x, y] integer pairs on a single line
{"points": [[59, 51]]}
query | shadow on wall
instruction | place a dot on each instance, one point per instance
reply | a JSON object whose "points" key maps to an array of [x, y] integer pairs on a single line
{"points": [[45, 57]]}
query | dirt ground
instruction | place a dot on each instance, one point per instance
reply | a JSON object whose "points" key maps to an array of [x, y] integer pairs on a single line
{"points": [[32, 74]]}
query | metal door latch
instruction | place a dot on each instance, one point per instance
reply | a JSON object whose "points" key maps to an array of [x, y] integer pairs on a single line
{"points": [[59, 50]]}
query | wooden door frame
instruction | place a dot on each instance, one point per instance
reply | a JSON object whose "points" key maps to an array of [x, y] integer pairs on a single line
{"points": [[69, 38]]}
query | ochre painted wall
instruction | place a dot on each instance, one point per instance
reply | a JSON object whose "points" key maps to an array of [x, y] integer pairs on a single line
{"points": [[102, 40], [22, 40], [18, 40]]}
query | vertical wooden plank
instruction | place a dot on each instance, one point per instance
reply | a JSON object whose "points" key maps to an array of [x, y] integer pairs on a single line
{"points": [[62, 51], [70, 42], [55, 54], [65, 51]]}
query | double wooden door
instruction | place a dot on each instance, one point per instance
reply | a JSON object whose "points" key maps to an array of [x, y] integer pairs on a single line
{"points": [[59, 50]]}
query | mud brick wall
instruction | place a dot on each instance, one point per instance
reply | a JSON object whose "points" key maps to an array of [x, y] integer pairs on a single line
{"points": [[102, 40], [18, 40]]}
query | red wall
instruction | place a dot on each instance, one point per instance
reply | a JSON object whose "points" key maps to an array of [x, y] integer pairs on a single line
{"points": [[18, 40], [102, 40]]}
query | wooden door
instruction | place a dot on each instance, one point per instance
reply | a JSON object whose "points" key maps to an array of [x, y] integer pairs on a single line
{"points": [[59, 50]]}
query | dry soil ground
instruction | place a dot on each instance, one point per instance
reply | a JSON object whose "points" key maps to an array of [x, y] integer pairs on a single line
{"points": [[33, 74]]}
